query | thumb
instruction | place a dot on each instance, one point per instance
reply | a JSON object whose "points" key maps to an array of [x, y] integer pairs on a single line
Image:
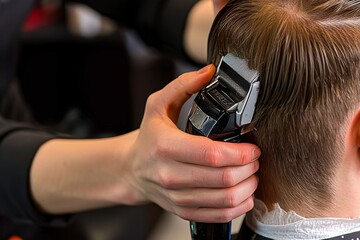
{"points": [[177, 92]]}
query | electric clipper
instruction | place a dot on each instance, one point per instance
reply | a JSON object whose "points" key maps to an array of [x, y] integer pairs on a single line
{"points": [[223, 111]]}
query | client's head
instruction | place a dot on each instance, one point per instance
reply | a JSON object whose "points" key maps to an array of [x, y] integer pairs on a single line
{"points": [[307, 120]]}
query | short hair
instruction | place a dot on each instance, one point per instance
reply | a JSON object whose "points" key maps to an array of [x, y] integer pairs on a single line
{"points": [[308, 57]]}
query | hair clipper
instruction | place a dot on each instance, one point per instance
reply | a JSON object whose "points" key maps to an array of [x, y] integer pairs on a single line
{"points": [[223, 111]]}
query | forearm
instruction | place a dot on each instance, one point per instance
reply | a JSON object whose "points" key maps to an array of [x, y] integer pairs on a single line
{"points": [[74, 175]]}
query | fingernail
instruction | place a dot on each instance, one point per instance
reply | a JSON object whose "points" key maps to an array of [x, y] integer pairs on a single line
{"points": [[204, 69], [256, 154]]}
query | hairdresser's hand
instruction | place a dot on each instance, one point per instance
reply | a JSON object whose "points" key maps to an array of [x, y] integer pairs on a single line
{"points": [[219, 4], [191, 176]]}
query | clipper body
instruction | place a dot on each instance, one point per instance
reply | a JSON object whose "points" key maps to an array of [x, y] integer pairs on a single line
{"points": [[222, 111]]}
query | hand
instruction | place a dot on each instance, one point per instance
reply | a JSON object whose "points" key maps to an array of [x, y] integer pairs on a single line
{"points": [[191, 176], [219, 4]]}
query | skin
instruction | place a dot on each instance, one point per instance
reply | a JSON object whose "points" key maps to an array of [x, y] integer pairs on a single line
{"points": [[191, 176], [346, 192], [198, 27], [197, 30], [219, 4]]}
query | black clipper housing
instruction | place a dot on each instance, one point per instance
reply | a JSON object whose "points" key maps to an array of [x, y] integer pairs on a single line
{"points": [[223, 111]]}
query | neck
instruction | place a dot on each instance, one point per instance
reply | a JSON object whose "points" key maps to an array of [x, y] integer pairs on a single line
{"points": [[346, 191], [344, 202]]}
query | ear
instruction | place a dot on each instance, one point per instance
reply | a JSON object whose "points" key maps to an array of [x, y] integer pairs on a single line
{"points": [[355, 129], [352, 140], [218, 5], [346, 189]]}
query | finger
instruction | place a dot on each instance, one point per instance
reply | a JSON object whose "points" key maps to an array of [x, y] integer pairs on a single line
{"points": [[199, 150], [176, 175], [215, 198], [215, 215], [178, 91]]}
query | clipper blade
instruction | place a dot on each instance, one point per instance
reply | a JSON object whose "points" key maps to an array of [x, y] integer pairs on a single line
{"points": [[235, 74]]}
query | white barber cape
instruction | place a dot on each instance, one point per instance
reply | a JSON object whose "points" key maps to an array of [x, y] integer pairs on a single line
{"points": [[282, 225]]}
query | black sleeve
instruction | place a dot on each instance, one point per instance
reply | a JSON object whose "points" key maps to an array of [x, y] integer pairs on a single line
{"points": [[18, 142], [18, 146], [161, 23]]}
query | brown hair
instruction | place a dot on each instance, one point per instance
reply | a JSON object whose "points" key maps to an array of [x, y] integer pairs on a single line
{"points": [[308, 57]]}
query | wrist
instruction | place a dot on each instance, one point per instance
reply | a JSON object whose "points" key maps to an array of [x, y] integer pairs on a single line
{"points": [[128, 187]]}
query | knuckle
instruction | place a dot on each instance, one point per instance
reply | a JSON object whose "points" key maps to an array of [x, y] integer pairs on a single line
{"points": [[244, 155], [226, 216], [248, 204], [160, 149], [152, 103], [166, 179], [212, 155], [230, 199], [152, 99], [228, 178]]}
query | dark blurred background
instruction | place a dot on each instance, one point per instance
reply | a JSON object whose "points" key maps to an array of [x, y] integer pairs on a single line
{"points": [[81, 74]]}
